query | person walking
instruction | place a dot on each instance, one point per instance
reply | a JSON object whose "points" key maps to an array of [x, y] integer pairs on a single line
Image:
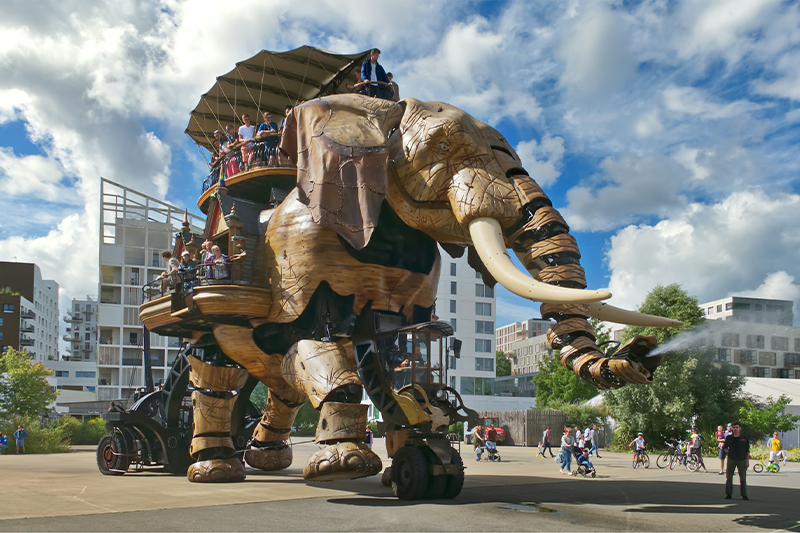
{"points": [[477, 441], [20, 435], [3, 442], [546, 442], [595, 441], [737, 447], [368, 437], [567, 446], [720, 434]]}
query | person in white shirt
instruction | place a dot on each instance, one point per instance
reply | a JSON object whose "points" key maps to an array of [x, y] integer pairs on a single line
{"points": [[639, 442], [246, 133]]}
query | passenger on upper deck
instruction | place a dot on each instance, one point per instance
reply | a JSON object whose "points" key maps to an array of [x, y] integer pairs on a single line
{"points": [[246, 134], [286, 111], [371, 71], [393, 86], [230, 133], [269, 130], [283, 160], [220, 267], [188, 268]]}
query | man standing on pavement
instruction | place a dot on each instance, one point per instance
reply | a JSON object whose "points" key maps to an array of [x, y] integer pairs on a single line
{"points": [[737, 447], [546, 442], [20, 434], [595, 440]]}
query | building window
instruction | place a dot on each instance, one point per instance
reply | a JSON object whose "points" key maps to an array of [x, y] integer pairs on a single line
{"points": [[775, 308], [8, 308], [709, 310], [755, 341], [483, 346], [484, 291], [739, 306], [766, 358], [453, 323], [760, 372], [719, 308], [723, 354], [1, 322], [452, 362], [452, 306], [483, 309], [478, 386], [84, 374], [797, 345], [779, 343], [453, 286], [452, 269], [484, 327], [62, 373], [757, 307], [730, 340], [1, 335], [484, 364], [90, 389], [133, 338]]}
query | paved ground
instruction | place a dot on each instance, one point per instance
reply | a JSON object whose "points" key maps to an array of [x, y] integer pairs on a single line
{"points": [[65, 492]]}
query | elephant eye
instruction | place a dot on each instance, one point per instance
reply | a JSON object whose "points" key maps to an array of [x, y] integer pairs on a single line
{"points": [[444, 147]]}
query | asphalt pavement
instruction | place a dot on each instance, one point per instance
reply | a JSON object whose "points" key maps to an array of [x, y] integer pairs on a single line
{"points": [[66, 492]]}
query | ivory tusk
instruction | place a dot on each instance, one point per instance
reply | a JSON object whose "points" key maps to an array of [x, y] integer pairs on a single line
{"points": [[487, 237], [609, 313]]}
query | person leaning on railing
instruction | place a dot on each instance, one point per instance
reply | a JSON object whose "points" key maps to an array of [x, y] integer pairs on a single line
{"points": [[188, 271], [168, 276], [268, 131], [371, 72], [220, 268]]}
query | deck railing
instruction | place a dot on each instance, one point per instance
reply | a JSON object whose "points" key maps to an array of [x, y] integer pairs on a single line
{"points": [[232, 164], [183, 281]]}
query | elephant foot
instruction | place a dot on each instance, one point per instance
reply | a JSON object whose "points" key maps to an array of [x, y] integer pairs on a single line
{"points": [[269, 459], [343, 460], [216, 471]]}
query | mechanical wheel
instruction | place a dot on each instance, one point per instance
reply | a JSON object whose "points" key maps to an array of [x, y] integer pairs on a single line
{"points": [[692, 465], [409, 473], [594, 474], [635, 461], [646, 460], [436, 484], [112, 454], [758, 468], [663, 460], [776, 468], [455, 482]]}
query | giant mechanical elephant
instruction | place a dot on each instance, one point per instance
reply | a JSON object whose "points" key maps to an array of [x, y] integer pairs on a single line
{"points": [[379, 184]]}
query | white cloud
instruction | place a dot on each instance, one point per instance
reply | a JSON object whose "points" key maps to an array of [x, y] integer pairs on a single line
{"points": [[542, 159], [692, 101], [712, 251], [778, 286]]}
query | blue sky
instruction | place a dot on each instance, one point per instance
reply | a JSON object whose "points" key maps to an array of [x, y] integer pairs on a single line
{"points": [[665, 131]]}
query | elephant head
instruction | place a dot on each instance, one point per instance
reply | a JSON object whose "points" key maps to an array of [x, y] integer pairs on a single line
{"points": [[460, 182]]}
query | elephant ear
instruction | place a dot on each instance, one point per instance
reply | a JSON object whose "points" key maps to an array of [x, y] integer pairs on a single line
{"points": [[340, 147]]}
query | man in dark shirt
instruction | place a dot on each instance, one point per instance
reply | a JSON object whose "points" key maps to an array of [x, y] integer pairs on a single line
{"points": [[737, 447]]}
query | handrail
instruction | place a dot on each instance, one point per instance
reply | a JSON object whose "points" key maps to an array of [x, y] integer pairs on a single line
{"points": [[231, 162], [183, 281]]}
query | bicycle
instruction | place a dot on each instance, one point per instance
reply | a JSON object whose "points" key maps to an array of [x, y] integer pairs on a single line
{"points": [[770, 467], [679, 456], [642, 458], [694, 462], [665, 458]]}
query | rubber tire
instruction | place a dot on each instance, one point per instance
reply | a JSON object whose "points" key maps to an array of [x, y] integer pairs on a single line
{"points": [[386, 477], [436, 484], [672, 462], [594, 474], [777, 468], [635, 461], [758, 468], [455, 482], [106, 460], [409, 473], [663, 459], [646, 460]]}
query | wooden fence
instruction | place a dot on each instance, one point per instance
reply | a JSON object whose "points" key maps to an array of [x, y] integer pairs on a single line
{"points": [[525, 428]]}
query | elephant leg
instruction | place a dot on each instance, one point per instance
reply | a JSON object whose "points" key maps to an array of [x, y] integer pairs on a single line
{"points": [[326, 373], [216, 391], [268, 449]]}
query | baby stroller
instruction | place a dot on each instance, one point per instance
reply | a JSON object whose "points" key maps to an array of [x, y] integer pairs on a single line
{"points": [[491, 450], [585, 467]]}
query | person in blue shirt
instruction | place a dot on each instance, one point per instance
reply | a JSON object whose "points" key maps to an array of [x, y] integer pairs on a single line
{"points": [[269, 131], [20, 434], [3, 441], [372, 71]]}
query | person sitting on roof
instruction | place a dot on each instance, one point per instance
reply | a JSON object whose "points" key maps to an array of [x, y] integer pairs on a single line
{"points": [[247, 132], [268, 130], [372, 71]]}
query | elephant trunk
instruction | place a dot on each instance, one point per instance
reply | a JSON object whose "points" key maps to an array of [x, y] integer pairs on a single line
{"points": [[543, 244]]}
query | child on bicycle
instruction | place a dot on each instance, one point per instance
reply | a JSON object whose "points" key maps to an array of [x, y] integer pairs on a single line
{"points": [[695, 448], [639, 442]]}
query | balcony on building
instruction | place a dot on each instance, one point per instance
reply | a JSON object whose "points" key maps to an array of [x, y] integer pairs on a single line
{"points": [[25, 341], [29, 328], [73, 317], [27, 314]]}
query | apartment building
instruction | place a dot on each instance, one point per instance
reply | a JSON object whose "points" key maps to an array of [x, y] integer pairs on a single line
{"points": [[29, 318], [469, 305], [81, 333], [527, 355], [518, 331], [134, 230], [756, 310]]}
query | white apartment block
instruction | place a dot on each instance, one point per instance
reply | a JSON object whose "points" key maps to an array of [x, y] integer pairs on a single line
{"points": [[757, 310], [81, 334], [464, 301], [758, 350], [527, 355], [73, 375], [506, 336], [134, 230]]}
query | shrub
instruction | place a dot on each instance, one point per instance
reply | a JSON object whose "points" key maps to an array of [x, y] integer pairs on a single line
{"points": [[41, 438], [77, 432], [759, 451]]}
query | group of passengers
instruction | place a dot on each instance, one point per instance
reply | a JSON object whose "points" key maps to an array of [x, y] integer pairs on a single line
{"points": [[245, 139], [209, 264]]}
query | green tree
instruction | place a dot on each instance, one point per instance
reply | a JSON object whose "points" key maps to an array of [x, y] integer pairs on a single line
{"points": [[689, 385], [556, 385], [259, 396], [762, 418], [24, 390], [503, 365]]}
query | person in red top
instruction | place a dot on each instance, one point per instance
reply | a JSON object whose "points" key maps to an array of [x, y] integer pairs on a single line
{"points": [[491, 433], [720, 434]]}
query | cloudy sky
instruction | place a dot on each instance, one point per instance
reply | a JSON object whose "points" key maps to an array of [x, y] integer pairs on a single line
{"points": [[665, 131]]}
